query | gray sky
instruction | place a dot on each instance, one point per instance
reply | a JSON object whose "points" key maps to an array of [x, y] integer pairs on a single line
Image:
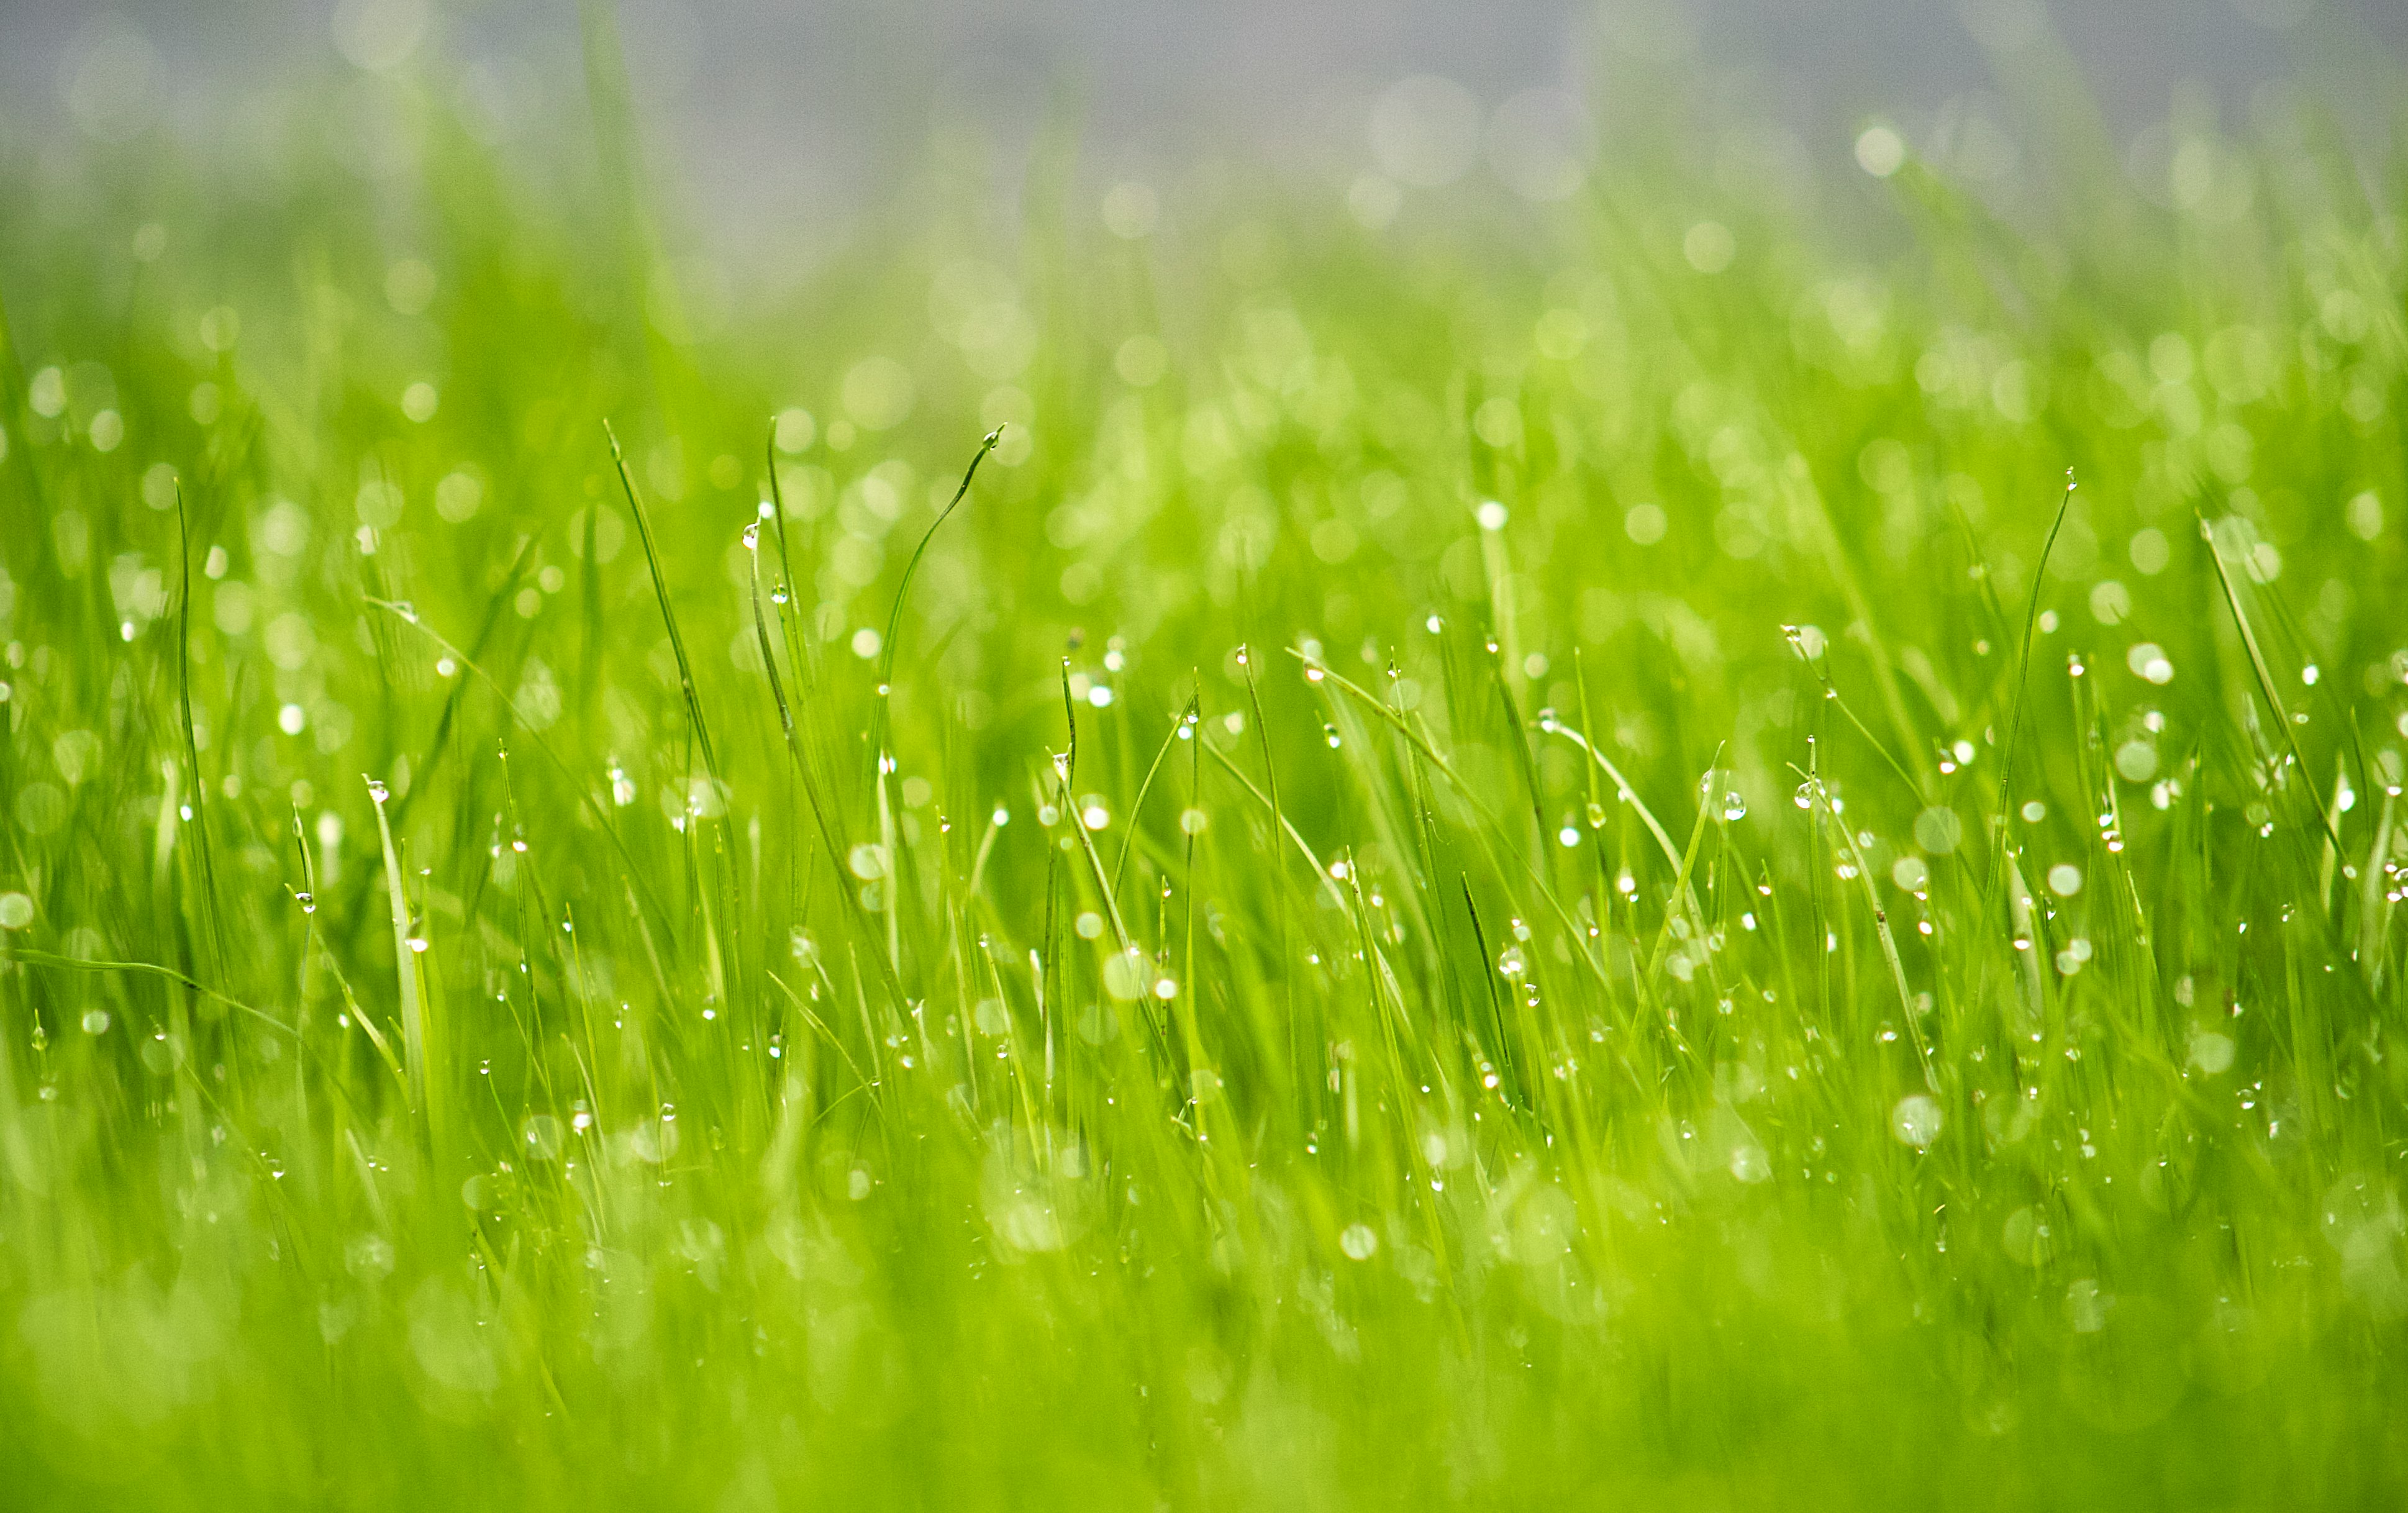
{"points": [[773, 117]]}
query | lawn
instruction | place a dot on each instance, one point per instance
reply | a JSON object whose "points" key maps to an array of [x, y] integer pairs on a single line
{"points": [[1732, 844]]}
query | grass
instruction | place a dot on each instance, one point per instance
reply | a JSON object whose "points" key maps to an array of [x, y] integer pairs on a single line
{"points": [[1480, 870]]}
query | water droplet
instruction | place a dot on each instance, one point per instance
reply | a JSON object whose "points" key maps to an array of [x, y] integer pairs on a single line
{"points": [[1915, 1121], [753, 536], [308, 903], [1734, 804], [376, 791]]}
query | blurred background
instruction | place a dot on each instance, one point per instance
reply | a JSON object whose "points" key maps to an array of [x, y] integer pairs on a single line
{"points": [[770, 131]]}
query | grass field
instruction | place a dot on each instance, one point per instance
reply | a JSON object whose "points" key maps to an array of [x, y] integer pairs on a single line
{"points": [[1494, 862]]}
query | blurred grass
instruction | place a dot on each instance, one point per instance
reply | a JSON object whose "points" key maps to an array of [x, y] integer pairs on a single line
{"points": [[1497, 870]]}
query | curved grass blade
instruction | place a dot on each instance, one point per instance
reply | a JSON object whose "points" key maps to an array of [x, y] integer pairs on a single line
{"points": [[668, 614], [880, 715]]}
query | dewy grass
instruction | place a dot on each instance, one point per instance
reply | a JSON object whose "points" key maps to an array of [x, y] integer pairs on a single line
{"points": [[856, 1106]]}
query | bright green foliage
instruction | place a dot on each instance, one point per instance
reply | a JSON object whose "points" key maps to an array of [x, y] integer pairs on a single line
{"points": [[1498, 872]]}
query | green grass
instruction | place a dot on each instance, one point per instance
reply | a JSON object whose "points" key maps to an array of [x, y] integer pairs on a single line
{"points": [[1771, 967]]}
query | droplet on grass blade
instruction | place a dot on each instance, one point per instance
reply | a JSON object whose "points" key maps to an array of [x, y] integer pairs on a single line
{"points": [[1915, 1121], [2211, 1053]]}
